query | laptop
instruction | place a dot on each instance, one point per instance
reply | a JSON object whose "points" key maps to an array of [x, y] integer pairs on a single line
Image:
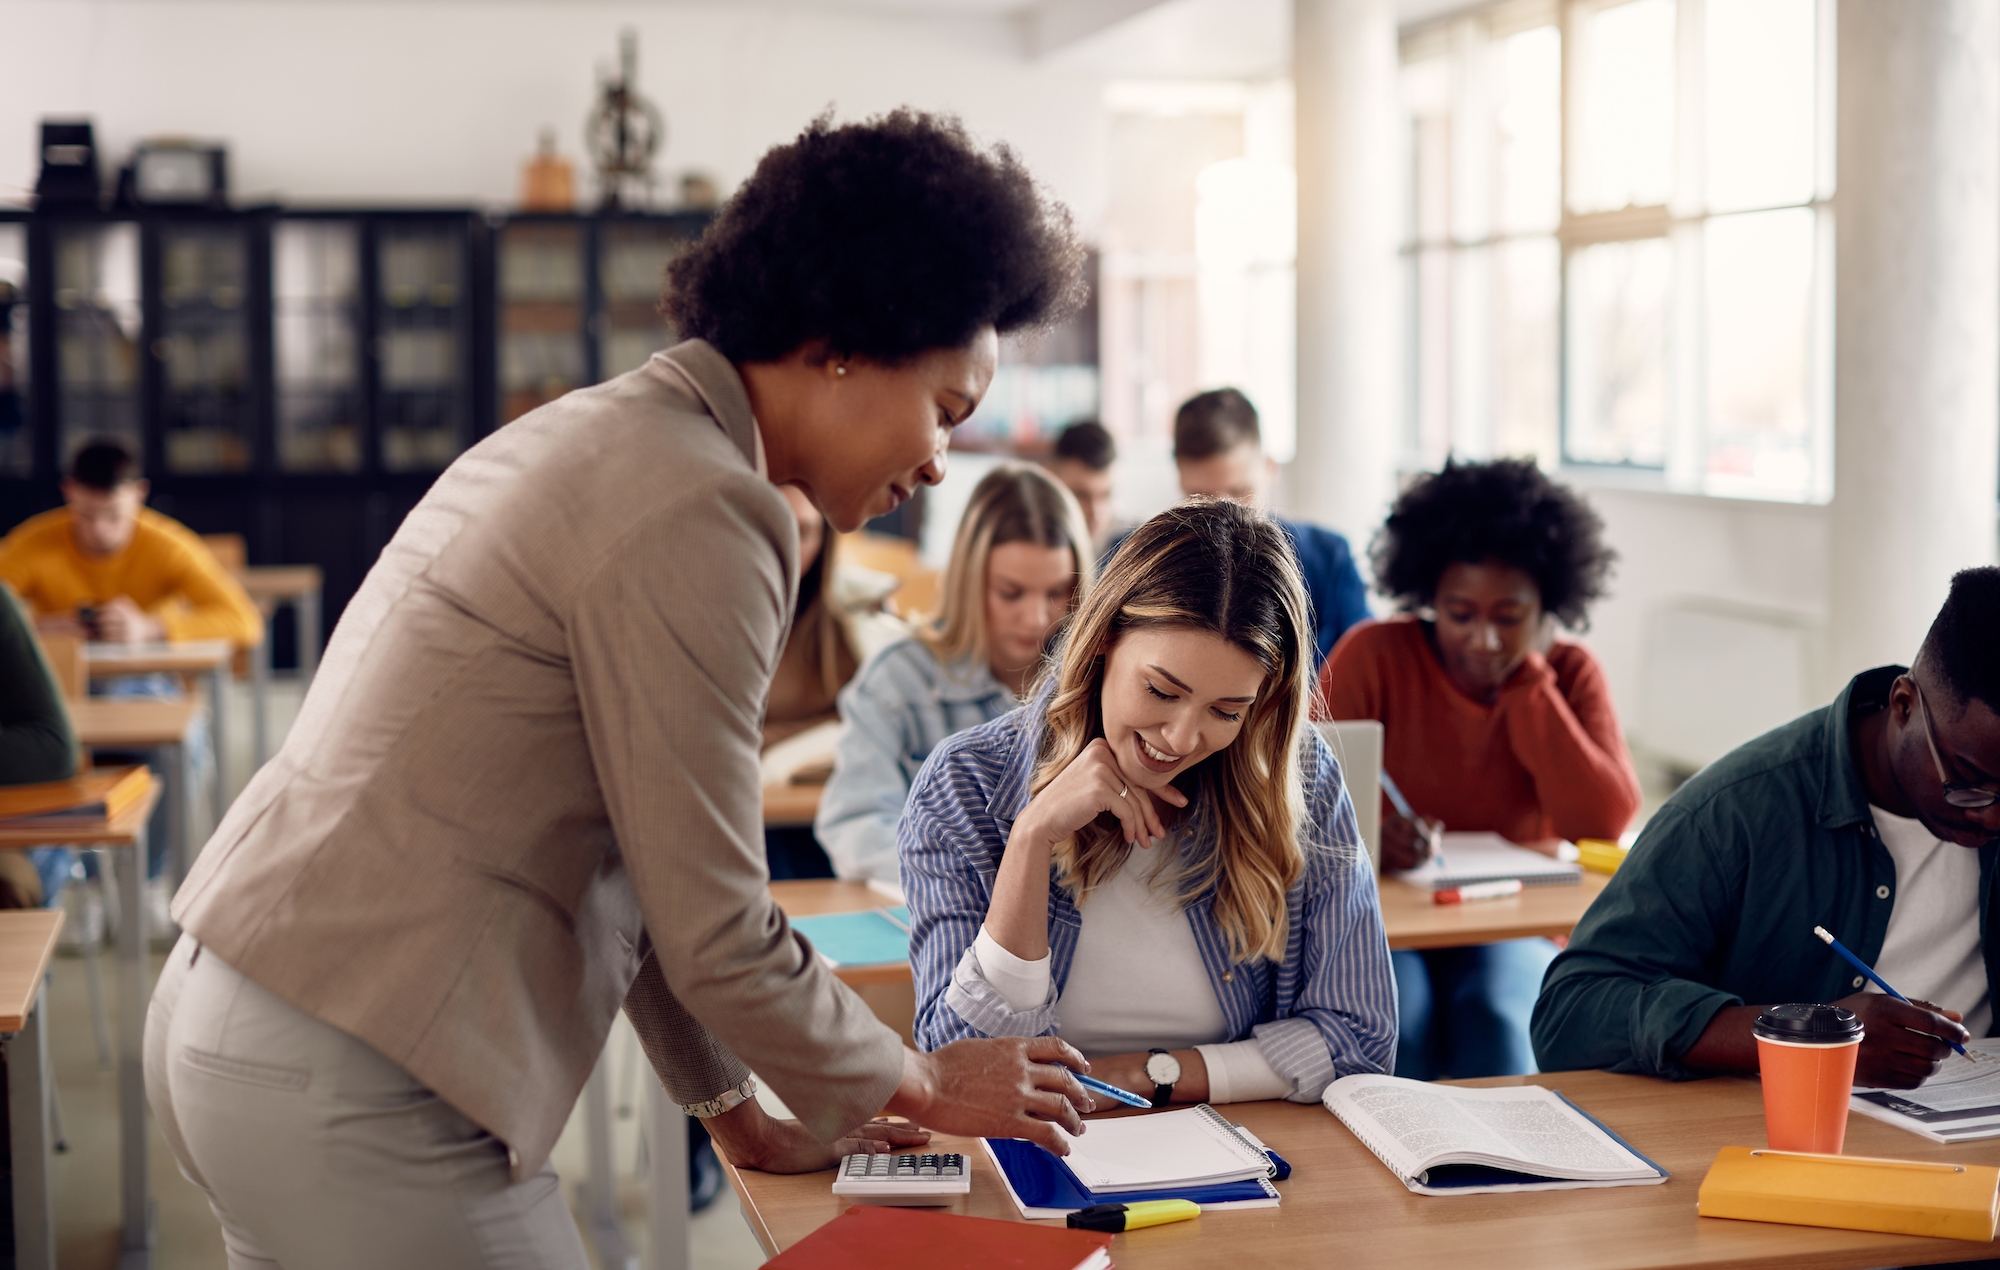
{"points": [[1357, 743]]}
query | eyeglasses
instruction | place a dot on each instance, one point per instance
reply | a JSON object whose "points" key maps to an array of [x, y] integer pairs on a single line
{"points": [[1957, 793]]}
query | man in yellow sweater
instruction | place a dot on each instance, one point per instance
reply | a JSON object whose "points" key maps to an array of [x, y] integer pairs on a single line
{"points": [[105, 567]]}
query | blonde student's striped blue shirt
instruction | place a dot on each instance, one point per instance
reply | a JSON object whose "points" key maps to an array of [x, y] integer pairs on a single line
{"points": [[1326, 1010]]}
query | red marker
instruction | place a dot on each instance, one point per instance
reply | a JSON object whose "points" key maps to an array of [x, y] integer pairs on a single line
{"points": [[1477, 891]]}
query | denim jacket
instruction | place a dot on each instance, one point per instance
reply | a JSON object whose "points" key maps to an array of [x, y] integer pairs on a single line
{"points": [[892, 715]]}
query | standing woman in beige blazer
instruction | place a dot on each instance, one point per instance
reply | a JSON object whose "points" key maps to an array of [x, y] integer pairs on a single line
{"points": [[523, 789]]}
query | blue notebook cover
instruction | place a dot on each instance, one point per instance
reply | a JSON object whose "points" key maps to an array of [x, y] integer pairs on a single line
{"points": [[1042, 1182], [871, 938]]}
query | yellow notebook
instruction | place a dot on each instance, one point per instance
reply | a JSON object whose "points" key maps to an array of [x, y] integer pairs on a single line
{"points": [[1853, 1192]]}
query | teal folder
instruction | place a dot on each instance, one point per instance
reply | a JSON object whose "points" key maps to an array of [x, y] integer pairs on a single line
{"points": [[878, 937]]}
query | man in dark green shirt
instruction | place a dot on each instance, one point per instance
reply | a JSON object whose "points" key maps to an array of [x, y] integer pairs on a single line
{"points": [[1711, 918]]}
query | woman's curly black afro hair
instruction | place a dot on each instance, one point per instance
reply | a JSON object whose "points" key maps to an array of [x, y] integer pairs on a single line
{"points": [[884, 239], [1506, 510]]}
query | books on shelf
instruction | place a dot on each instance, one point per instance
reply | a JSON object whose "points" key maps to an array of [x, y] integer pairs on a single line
{"points": [[1450, 1140], [1959, 1104], [101, 794], [869, 1238], [871, 937], [1192, 1153], [1465, 859]]}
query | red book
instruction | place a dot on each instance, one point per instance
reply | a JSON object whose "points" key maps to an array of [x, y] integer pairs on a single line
{"points": [[870, 1238]]}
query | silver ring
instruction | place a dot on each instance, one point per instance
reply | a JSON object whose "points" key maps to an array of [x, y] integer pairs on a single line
{"points": [[1122, 789]]}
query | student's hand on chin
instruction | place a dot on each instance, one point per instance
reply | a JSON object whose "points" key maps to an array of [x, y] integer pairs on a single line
{"points": [[1902, 1047], [1092, 785]]}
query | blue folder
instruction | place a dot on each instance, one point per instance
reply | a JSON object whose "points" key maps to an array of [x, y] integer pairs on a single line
{"points": [[1041, 1181], [871, 938]]}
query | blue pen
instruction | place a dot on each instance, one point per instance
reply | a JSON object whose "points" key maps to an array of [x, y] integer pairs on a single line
{"points": [[1879, 981], [1096, 1086]]}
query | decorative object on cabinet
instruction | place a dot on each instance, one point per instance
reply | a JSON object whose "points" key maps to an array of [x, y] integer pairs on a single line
{"points": [[624, 132], [175, 172], [548, 182], [69, 165]]}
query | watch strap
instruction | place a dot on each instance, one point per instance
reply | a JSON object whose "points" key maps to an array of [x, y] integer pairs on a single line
{"points": [[1162, 1094], [726, 1101]]}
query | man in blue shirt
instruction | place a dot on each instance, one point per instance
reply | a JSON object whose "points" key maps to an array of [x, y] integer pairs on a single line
{"points": [[1219, 451], [1877, 817]]}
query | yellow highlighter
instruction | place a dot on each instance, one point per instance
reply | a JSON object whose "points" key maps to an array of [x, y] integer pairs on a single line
{"points": [[1119, 1217]]}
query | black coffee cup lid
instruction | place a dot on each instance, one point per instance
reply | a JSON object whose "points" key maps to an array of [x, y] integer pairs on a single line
{"points": [[1808, 1024]]}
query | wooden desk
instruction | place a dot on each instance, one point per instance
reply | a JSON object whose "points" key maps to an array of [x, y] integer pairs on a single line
{"points": [[207, 659], [1341, 1205], [1413, 920], [790, 805], [269, 586], [125, 834], [27, 943], [139, 723]]}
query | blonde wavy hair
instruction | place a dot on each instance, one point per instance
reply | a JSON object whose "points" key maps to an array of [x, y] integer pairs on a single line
{"points": [[1218, 567], [1015, 502]]}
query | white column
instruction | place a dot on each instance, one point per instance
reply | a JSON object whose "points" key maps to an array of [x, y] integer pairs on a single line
{"points": [[1917, 298], [1350, 324]]}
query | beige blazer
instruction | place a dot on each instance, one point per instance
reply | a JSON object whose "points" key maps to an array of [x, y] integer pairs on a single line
{"points": [[524, 786]]}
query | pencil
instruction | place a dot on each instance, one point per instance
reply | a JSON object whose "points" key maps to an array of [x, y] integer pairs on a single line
{"points": [[1881, 983]]}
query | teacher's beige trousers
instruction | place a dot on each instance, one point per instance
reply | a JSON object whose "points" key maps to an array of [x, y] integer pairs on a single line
{"points": [[318, 1153]]}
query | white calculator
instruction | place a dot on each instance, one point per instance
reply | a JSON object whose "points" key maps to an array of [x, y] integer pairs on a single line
{"points": [[908, 1181]]}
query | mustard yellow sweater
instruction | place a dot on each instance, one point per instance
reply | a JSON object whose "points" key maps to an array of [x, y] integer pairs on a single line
{"points": [[166, 570]]}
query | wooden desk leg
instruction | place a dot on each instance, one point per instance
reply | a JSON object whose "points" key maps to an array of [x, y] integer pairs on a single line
{"points": [[260, 690], [306, 609], [136, 1233], [600, 1190], [28, 1140], [218, 738], [666, 1180]]}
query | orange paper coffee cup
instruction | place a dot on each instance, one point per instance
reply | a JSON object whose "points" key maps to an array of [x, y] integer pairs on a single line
{"points": [[1806, 1056]]}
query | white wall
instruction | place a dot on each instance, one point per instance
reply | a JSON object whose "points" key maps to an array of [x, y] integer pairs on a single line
{"points": [[441, 100]]}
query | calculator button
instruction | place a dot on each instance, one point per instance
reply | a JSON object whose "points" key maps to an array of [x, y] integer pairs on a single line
{"points": [[949, 1170], [927, 1170], [906, 1172]]}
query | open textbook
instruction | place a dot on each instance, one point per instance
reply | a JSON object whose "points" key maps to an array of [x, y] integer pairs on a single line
{"points": [[1959, 1104], [1467, 858], [1449, 1140]]}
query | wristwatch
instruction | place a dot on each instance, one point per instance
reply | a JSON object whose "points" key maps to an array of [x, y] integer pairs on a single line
{"points": [[1164, 1070], [716, 1106]]}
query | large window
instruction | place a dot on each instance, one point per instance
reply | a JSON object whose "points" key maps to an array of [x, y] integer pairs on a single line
{"points": [[1619, 240]]}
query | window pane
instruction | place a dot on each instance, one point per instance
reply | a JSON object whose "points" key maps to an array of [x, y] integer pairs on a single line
{"points": [[1529, 124], [1626, 107], [316, 269], [1759, 297], [17, 440], [1525, 292], [1430, 393], [1427, 97], [1760, 103], [1620, 296]]}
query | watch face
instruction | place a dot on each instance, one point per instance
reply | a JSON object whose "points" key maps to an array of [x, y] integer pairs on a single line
{"points": [[1163, 1069]]}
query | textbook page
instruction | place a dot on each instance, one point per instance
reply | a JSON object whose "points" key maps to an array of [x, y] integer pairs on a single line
{"points": [[1415, 1127], [1467, 858], [1959, 1104]]}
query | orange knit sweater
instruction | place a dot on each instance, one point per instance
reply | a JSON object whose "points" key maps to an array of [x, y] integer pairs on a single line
{"points": [[1545, 760]]}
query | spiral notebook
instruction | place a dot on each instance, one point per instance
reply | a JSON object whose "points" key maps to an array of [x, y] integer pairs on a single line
{"points": [[1194, 1146]]}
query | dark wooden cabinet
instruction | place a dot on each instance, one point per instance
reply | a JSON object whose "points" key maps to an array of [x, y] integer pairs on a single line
{"points": [[300, 376]]}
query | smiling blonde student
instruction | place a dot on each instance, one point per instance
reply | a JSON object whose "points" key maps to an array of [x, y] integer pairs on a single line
{"points": [[1156, 858], [1019, 564]]}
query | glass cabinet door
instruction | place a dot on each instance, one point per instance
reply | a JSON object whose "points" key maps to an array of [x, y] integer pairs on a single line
{"points": [[633, 273], [421, 323], [97, 334], [207, 411], [17, 436], [541, 314], [316, 312]]}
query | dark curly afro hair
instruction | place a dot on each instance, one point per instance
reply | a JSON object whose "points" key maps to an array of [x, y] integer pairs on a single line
{"points": [[1506, 510], [884, 239]]}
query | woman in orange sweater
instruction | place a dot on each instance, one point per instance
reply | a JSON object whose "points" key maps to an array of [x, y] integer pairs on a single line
{"points": [[1491, 723]]}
